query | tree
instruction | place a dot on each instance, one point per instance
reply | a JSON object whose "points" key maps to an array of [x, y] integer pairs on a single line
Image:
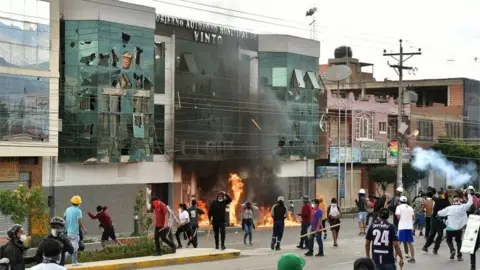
{"points": [[410, 177], [458, 151], [383, 176], [24, 203], [140, 210]]}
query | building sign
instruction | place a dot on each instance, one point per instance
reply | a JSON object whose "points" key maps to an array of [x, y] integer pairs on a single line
{"points": [[392, 153], [373, 152], [8, 170], [345, 154], [205, 32]]}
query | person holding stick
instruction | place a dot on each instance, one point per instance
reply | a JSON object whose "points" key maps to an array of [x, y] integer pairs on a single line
{"points": [[381, 238], [161, 225], [316, 227], [306, 215]]}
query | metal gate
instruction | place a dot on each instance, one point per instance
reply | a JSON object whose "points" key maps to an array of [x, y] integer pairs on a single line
{"points": [[5, 222]]}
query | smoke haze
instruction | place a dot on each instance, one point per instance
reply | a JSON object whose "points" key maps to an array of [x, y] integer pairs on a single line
{"points": [[458, 176]]}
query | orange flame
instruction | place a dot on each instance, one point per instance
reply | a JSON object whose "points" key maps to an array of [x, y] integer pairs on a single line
{"points": [[268, 220], [203, 219], [237, 190]]}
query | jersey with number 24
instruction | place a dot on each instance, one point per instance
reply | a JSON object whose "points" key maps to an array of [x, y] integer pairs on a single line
{"points": [[382, 235]]}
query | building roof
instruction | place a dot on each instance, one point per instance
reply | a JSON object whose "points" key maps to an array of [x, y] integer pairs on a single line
{"points": [[414, 83]]}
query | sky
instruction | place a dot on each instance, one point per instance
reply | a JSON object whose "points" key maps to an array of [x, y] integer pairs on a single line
{"points": [[447, 32]]}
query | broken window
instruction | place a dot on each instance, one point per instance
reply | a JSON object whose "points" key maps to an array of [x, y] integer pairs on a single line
{"points": [[115, 103], [87, 103], [279, 77], [188, 63], [297, 79], [312, 80], [140, 105]]}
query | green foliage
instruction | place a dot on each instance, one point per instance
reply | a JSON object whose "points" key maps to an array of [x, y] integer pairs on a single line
{"points": [[410, 176], [23, 203], [383, 176], [458, 151], [140, 210]]}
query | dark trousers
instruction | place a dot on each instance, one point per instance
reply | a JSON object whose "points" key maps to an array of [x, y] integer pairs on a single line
{"points": [[181, 230], [390, 266], [194, 238], [317, 236], [161, 233], [219, 228], [473, 259], [278, 227], [436, 228], [458, 239], [369, 215], [428, 221], [304, 230]]}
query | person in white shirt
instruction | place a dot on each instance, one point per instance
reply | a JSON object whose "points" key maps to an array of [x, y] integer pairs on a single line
{"points": [[184, 225], [51, 256], [406, 216], [456, 220]]}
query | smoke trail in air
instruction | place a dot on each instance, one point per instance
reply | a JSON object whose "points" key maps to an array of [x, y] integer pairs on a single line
{"points": [[432, 160]]}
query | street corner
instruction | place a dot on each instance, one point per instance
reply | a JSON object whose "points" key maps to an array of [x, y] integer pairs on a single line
{"points": [[181, 257]]}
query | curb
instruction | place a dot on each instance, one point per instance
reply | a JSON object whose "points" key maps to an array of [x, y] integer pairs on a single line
{"points": [[149, 262]]}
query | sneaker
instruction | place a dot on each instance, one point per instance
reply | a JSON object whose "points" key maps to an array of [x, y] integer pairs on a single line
{"points": [[411, 260], [319, 255], [424, 249], [272, 246], [158, 254], [407, 256], [452, 254], [76, 264], [309, 254], [460, 259], [421, 234], [435, 252], [278, 248], [179, 246], [335, 244], [251, 244], [245, 242], [300, 247], [224, 247], [216, 247]]}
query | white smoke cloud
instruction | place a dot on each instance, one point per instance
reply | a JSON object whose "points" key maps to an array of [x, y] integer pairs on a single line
{"points": [[425, 160]]}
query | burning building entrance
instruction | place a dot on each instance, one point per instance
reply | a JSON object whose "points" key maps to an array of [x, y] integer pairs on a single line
{"points": [[240, 190]]}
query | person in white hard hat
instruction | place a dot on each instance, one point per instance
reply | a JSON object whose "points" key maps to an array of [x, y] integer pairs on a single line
{"points": [[362, 211], [279, 213]]}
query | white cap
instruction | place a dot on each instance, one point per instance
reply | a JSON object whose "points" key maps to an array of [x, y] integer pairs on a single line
{"points": [[400, 189], [470, 187], [280, 199], [403, 199], [361, 191]]}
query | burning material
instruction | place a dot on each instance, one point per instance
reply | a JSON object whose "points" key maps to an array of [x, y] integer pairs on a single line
{"points": [[237, 189], [237, 186], [268, 220]]}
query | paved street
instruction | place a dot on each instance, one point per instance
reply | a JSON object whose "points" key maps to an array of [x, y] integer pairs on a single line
{"points": [[351, 246]]}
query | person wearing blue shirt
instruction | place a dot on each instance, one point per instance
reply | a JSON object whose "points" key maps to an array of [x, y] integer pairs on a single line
{"points": [[316, 226], [73, 222]]}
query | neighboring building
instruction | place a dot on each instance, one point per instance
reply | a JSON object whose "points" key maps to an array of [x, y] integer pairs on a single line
{"points": [[29, 73], [292, 99], [444, 107], [108, 146]]}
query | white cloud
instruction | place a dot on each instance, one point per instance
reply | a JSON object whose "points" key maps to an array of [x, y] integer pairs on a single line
{"points": [[445, 30]]}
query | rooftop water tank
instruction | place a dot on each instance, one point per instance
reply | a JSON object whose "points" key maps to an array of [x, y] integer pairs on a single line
{"points": [[343, 52]]}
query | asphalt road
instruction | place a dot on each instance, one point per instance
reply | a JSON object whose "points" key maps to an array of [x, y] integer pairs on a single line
{"points": [[351, 247]]}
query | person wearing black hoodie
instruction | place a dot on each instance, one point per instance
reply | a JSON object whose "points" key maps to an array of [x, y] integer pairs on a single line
{"points": [[279, 212], [57, 232], [15, 249], [217, 217], [437, 226]]}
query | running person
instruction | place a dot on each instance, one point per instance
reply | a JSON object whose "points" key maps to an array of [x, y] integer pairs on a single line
{"points": [[382, 240], [106, 224], [184, 225], [194, 212]]}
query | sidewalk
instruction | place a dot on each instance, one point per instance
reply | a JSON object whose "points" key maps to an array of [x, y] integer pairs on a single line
{"points": [[183, 256]]}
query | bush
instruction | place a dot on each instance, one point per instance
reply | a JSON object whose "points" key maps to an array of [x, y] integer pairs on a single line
{"points": [[135, 248]]}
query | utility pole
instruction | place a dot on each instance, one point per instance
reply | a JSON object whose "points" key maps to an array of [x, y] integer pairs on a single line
{"points": [[399, 68]]}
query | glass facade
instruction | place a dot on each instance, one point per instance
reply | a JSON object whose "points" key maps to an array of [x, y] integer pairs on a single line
{"points": [[25, 34], [106, 101], [291, 82], [211, 122], [24, 108], [471, 128]]}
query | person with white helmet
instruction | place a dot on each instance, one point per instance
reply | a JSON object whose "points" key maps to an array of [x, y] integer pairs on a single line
{"points": [[362, 211], [279, 212], [406, 216]]}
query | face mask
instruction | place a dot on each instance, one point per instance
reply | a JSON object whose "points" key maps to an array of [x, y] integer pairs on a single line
{"points": [[23, 238], [54, 232], [313, 205], [220, 200]]}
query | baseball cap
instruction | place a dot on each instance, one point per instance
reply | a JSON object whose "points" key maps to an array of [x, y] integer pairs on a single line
{"points": [[290, 261], [400, 189], [403, 199]]}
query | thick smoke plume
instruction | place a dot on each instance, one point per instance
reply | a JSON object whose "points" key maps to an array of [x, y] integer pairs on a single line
{"points": [[432, 160]]}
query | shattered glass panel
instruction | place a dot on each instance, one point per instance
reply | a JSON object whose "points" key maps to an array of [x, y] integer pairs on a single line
{"points": [[105, 65]]}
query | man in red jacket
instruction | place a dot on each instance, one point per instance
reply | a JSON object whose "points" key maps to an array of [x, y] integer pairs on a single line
{"points": [[106, 224], [161, 225], [306, 215]]}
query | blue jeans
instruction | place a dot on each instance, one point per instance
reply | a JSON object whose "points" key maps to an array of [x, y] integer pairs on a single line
{"points": [[74, 240], [304, 230], [248, 233], [318, 237], [278, 227]]}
